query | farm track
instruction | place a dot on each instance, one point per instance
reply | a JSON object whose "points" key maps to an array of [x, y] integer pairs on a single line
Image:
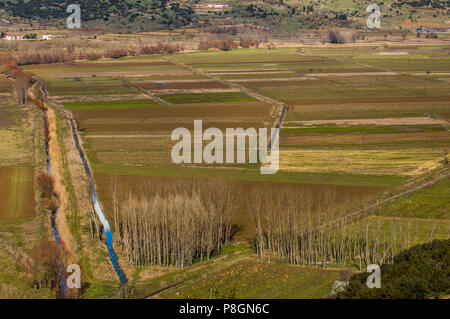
{"points": [[279, 108], [217, 265], [152, 96], [409, 187]]}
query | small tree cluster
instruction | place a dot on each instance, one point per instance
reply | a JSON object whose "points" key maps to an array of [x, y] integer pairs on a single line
{"points": [[22, 80], [247, 43], [25, 57], [173, 225], [116, 53], [308, 229], [341, 36], [160, 48], [47, 264], [223, 45], [45, 183]]}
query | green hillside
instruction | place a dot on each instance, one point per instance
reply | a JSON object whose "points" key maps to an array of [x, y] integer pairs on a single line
{"points": [[279, 15]]}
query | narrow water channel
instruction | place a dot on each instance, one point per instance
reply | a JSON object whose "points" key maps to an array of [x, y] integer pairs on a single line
{"points": [[97, 207], [62, 281]]}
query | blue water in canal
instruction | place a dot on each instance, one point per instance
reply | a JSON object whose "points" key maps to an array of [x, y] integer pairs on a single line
{"points": [[98, 209]]}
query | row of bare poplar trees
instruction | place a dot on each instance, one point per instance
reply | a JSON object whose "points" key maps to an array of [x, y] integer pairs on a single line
{"points": [[173, 224], [308, 229]]}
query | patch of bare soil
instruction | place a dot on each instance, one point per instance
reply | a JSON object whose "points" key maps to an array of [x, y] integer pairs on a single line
{"points": [[181, 91], [173, 81], [270, 80], [352, 74], [370, 100], [163, 85], [118, 73], [394, 53], [379, 122], [250, 72]]}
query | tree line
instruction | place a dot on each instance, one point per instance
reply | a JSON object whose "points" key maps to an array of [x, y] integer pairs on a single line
{"points": [[308, 229]]}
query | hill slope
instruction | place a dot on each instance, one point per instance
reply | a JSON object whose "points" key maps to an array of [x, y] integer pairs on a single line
{"points": [[279, 15]]}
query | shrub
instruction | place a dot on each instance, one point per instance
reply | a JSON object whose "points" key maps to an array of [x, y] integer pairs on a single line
{"points": [[93, 56], [45, 183], [46, 265], [247, 43], [159, 48], [223, 45], [116, 54], [421, 271], [341, 36]]}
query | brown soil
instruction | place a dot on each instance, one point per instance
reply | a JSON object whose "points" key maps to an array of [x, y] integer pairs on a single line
{"points": [[243, 190], [97, 64], [268, 80], [380, 121], [216, 114], [371, 100], [117, 73], [351, 74], [182, 85], [364, 139]]}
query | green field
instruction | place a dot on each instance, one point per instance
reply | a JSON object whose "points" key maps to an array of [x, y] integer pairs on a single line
{"points": [[414, 230], [128, 141], [111, 105], [17, 193], [430, 203], [87, 86], [252, 175], [207, 97], [254, 280]]}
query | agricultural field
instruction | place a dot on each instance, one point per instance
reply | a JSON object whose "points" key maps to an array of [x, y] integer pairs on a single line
{"points": [[17, 191], [429, 203], [253, 280], [126, 119], [361, 122], [21, 222]]}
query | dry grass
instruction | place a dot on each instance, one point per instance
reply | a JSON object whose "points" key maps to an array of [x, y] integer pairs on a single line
{"points": [[377, 162], [356, 140], [379, 121]]}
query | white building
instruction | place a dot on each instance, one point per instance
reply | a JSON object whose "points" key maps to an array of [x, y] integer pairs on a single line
{"points": [[46, 37]]}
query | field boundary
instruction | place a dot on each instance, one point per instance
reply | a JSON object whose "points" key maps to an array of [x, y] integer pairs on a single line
{"points": [[152, 96]]}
